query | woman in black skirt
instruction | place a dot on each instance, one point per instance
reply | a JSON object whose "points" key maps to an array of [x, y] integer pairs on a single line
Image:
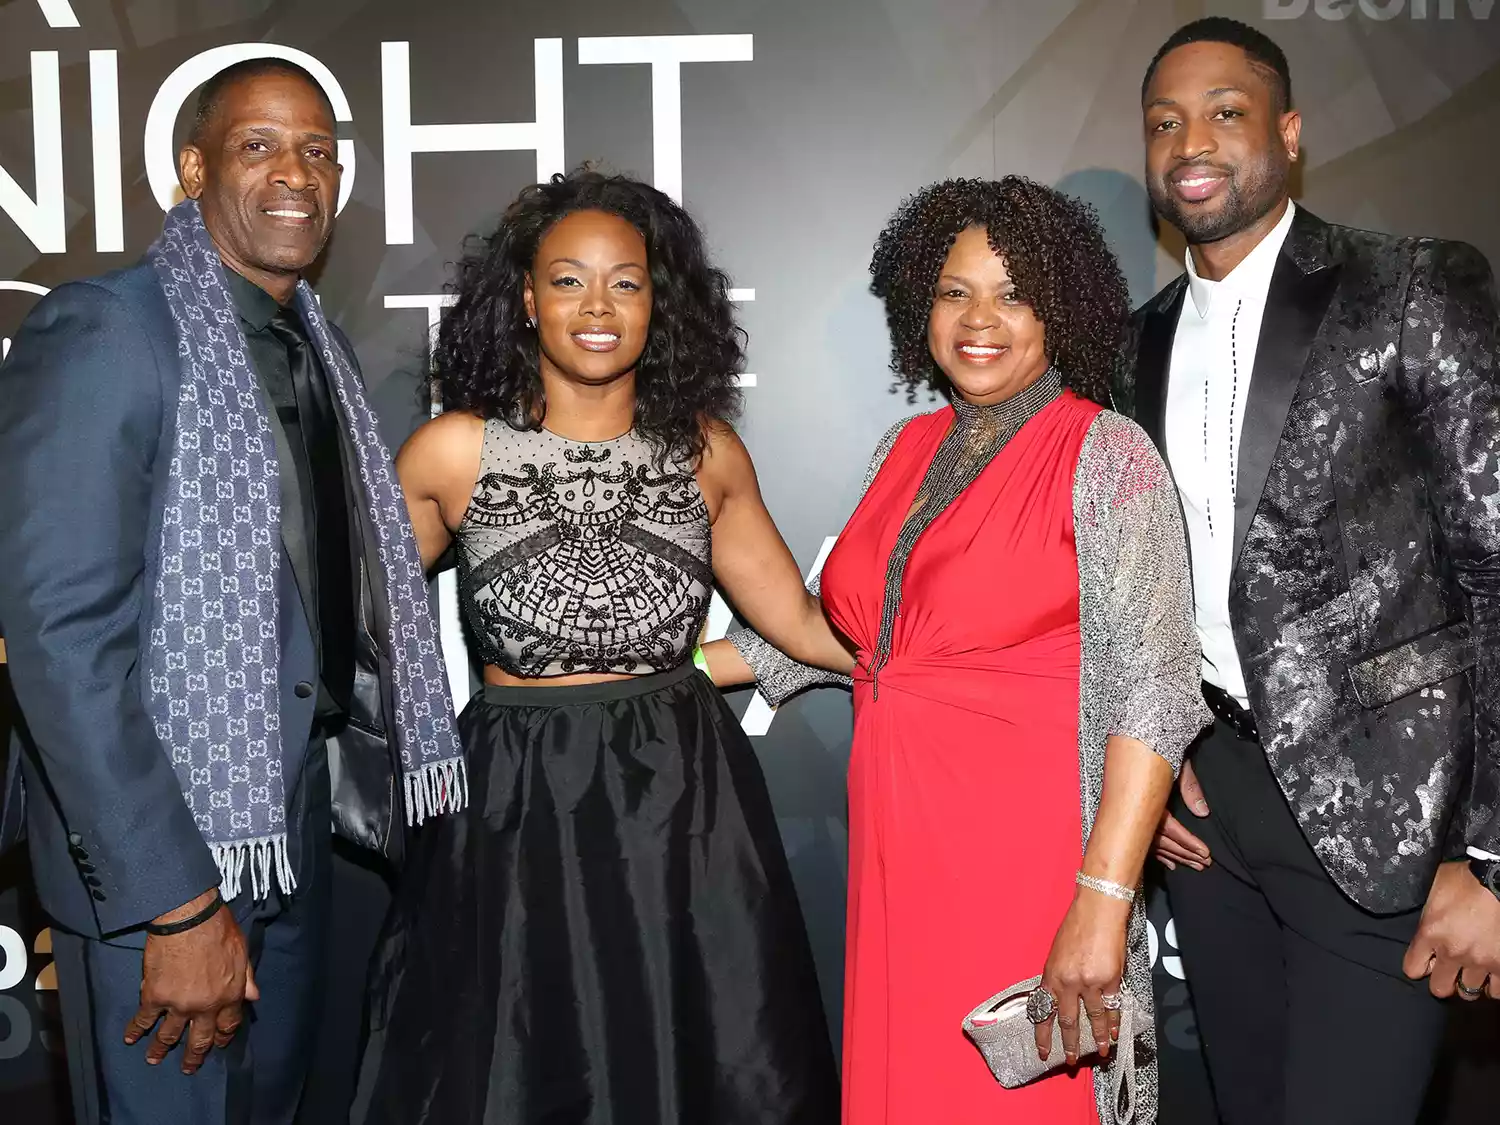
{"points": [[608, 934]]}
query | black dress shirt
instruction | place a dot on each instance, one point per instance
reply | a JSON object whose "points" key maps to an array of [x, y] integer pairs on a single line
{"points": [[317, 508]]}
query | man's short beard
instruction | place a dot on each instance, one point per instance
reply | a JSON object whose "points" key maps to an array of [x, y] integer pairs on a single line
{"points": [[1245, 204]]}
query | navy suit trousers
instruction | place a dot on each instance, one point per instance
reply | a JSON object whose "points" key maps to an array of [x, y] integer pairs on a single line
{"points": [[258, 1079]]}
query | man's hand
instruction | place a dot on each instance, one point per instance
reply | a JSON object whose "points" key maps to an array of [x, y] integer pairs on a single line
{"points": [[1458, 941], [1174, 843], [193, 982]]}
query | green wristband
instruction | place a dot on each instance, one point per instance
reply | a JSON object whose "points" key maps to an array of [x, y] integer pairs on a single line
{"points": [[701, 661]]}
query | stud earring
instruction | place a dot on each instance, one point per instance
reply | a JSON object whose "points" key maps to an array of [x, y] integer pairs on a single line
{"points": [[531, 322]]}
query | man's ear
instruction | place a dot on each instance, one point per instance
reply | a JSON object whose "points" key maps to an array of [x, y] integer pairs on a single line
{"points": [[1291, 133], [191, 170]]}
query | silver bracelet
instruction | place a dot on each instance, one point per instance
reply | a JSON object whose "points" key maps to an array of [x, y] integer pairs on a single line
{"points": [[1105, 887]]}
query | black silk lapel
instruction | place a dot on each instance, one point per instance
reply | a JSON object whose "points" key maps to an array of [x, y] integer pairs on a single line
{"points": [[1295, 305], [1153, 359]]}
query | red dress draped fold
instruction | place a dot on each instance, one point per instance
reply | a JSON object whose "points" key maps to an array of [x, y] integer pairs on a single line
{"points": [[964, 822]]}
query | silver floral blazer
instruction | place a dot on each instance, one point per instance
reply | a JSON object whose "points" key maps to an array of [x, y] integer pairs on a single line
{"points": [[1140, 661]]}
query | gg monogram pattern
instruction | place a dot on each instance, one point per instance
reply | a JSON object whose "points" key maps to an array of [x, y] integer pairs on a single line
{"points": [[426, 732], [214, 647]]}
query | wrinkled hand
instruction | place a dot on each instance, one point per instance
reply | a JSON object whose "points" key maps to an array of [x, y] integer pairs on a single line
{"points": [[1087, 962], [193, 982], [1174, 843], [1459, 936]]}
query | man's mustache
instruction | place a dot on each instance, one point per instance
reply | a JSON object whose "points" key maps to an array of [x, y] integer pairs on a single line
{"points": [[1200, 166]]}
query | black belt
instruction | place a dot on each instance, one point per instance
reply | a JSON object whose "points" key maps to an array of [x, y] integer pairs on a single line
{"points": [[1227, 708]]}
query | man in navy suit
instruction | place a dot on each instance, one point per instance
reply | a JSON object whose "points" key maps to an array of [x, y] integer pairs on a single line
{"points": [[155, 982]]}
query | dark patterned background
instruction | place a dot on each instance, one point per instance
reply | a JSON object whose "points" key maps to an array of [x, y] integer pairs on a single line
{"points": [[792, 158]]}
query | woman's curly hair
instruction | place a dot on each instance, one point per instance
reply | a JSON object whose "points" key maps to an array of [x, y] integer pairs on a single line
{"points": [[486, 358], [1054, 251]]}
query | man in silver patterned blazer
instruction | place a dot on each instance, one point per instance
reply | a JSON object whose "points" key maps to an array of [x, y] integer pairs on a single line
{"points": [[1327, 399]]}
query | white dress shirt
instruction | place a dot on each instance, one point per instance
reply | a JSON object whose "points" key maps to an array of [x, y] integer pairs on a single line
{"points": [[1213, 355]]}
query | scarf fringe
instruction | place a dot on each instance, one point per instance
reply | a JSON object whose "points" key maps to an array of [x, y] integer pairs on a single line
{"points": [[261, 859], [439, 787]]}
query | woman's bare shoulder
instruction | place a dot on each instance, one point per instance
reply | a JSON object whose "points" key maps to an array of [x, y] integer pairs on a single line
{"points": [[453, 431], [444, 452]]}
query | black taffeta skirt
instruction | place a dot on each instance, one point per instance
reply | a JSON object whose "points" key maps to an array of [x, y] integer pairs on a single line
{"points": [[607, 935]]}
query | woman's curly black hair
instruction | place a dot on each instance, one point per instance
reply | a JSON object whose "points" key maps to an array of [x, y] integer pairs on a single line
{"points": [[1055, 252], [486, 358]]}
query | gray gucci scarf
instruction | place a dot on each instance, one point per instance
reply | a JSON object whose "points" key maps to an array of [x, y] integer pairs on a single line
{"points": [[213, 654]]}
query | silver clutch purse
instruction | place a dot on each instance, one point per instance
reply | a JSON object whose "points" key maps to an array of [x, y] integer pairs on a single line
{"points": [[1007, 1040]]}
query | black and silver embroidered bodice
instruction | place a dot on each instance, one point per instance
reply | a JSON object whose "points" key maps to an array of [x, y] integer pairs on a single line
{"points": [[582, 556]]}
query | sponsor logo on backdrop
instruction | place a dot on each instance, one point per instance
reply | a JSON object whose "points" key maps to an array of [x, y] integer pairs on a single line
{"points": [[20, 973], [1378, 9], [40, 215]]}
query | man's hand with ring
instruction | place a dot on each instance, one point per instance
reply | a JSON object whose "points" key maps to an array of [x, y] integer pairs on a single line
{"points": [[1457, 946]]}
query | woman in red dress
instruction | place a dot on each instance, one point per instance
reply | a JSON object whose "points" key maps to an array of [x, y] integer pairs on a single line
{"points": [[1013, 588]]}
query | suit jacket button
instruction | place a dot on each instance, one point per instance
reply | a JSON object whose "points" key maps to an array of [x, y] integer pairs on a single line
{"points": [[98, 895], [86, 867], [93, 880], [303, 689]]}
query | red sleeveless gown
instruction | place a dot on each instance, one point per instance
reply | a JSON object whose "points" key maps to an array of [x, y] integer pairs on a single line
{"points": [[964, 824]]}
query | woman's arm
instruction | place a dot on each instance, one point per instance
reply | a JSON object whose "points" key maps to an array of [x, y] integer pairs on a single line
{"points": [[754, 567], [1087, 961], [1133, 564], [1137, 783], [1144, 583], [744, 656], [438, 467], [726, 667]]}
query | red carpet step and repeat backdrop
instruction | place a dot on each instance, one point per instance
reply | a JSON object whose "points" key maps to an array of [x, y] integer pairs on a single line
{"points": [[791, 128]]}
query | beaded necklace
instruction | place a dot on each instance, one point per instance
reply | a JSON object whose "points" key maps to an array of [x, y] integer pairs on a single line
{"points": [[977, 435]]}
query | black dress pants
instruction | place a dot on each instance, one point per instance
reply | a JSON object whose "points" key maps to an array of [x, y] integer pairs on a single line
{"points": [[1305, 1015]]}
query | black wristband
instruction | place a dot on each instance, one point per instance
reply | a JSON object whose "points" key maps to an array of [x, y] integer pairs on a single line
{"points": [[167, 929]]}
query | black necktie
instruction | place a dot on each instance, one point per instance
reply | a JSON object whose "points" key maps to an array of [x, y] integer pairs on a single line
{"points": [[327, 507]]}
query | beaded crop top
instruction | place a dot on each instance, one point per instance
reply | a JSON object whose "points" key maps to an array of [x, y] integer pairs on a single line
{"points": [[582, 556]]}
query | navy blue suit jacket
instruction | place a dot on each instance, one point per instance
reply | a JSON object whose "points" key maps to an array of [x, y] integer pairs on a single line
{"points": [[87, 418]]}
